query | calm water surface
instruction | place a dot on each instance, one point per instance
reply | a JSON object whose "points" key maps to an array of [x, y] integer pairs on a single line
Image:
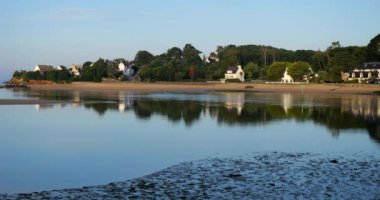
{"points": [[103, 138]]}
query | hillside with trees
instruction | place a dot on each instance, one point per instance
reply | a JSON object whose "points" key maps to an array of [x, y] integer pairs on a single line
{"points": [[258, 61]]}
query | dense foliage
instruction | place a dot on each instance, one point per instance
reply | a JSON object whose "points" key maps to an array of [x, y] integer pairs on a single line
{"points": [[373, 49], [57, 76], [298, 70], [259, 63]]}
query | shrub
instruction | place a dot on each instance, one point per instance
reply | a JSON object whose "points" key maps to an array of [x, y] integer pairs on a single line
{"points": [[351, 81], [233, 80]]}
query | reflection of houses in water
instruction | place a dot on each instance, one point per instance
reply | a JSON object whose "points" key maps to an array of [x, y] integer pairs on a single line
{"points": [[125, 101], [287, 102], [76, 99], [362, 106], [43, 106], [234, 100], [39, 107]]}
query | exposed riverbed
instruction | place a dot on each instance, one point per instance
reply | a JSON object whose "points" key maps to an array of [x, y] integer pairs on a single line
{"points": [[255, 176]]}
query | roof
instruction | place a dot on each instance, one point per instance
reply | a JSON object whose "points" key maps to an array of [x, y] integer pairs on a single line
{"points": [[45, 68], [76, 66], [233, 69], [370, 65], [124, 62]]}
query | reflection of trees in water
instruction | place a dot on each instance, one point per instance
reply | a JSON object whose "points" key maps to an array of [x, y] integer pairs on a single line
{"points": [[101, 108], [251, 114], [188, 111], [336, 113]]}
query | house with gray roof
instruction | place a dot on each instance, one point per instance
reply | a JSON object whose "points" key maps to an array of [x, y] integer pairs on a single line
{"points": [[365, 73], [43, 68], [234, 72]]}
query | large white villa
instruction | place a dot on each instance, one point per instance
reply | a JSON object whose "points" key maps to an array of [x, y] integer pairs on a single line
{"points": [[364, 73], [233, 73]]}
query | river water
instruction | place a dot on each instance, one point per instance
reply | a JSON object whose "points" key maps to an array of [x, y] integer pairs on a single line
{"points": [[108, 137]]}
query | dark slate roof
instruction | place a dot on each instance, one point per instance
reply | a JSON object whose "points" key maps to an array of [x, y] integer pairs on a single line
{"points": [[125, 62], [370, 65], [45, 68], [233, 69]]}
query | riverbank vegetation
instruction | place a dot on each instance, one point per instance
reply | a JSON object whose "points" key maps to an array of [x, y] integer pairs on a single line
{"points": [[259, 63]]}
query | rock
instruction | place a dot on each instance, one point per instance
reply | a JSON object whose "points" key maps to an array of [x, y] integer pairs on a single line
{"points": [[334, 161]]}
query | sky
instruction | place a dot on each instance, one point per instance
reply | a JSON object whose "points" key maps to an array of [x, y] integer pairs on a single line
{"points": [[74, 31]]}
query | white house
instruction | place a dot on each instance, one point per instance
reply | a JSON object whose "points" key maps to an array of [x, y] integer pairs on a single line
{"points": [[126, 68], [286, 78], [234, 72], [43, 68], [75, 69]]}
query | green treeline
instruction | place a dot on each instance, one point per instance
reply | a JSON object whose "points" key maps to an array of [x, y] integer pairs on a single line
{"points": [[58, 76], [258, 62]]}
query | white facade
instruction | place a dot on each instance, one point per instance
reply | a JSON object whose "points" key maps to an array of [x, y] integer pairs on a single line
{"points": [[122, 67], [364, 73], [75, 69], [286, 78], [235, 73], [126, 69]]}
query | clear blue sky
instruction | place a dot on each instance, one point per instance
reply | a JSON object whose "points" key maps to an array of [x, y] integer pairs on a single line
{"points": [[74, 31]]}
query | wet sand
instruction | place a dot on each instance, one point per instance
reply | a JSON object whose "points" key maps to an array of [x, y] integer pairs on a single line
{"points": [[31, 102], [204, 87], [255, 176]]}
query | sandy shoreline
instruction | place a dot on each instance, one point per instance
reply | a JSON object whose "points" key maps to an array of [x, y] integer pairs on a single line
{"points": [[31, 102], [255, 176], [204, 87]]}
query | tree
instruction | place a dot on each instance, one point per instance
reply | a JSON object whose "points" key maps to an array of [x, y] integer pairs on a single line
{"points": [[113, 69], [87, 64], [264, 53], [324, 76], [96, 72], [251, 70], [373, 49], [298, 69], [174, 53], [178, 76], [143, 58], [341, 61], [320, 58], [191, 55], [335, 45], [229, 56], [192, 72], [64, 74], [276, 70], [146, 74]]}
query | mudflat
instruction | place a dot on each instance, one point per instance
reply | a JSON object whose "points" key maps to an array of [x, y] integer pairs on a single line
{"points": [[204, 87]]}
